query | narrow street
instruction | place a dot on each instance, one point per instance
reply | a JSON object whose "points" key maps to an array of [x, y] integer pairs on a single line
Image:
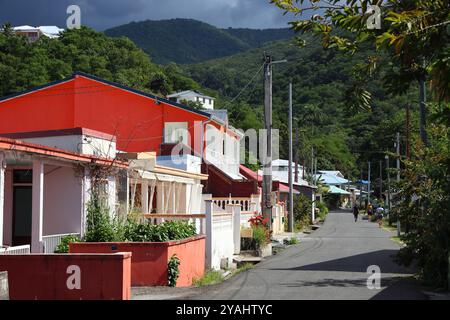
{"points": [[331, 263]]}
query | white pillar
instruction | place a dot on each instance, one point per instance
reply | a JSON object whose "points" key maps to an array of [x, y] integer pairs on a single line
{"points": [[209, 233], [112, 195], [38, 206], [86, 199], [236, 209], [2, 195], [144, 196]]}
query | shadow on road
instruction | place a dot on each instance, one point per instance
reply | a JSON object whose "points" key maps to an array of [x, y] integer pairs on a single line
{"points": [[357, 263]]}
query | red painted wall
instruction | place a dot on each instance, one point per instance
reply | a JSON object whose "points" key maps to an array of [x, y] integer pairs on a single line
{"points": [[137, 121], [149, 259], [44, 277]]}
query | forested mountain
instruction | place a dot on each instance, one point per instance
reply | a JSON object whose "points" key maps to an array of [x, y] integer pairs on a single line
{"points": [[190, 41], [24, 65], [344, 138]]}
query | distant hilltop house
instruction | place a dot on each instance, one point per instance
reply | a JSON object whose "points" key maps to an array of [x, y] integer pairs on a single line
{"points": [[194, 96], [35, 33]]}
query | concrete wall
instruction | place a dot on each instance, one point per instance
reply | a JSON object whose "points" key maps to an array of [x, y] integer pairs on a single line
{"points": [[68, 277], [149, 259], [214, 152], [84, 144], [220, 233], [63, 201]]}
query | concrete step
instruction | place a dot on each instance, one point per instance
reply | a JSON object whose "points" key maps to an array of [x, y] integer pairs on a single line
{"points": [[240, 260]]}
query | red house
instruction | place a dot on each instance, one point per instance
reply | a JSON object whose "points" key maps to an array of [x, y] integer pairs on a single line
{"points": [[142, 122]]}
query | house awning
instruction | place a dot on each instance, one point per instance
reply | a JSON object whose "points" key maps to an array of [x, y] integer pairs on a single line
{"points": [[336, 190]]}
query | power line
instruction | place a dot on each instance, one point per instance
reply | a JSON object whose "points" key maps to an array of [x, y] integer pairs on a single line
{"points": [[248, 84]]}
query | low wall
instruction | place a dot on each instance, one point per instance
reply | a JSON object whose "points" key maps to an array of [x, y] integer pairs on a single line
{"points": [[149, 259], [68, 276]]}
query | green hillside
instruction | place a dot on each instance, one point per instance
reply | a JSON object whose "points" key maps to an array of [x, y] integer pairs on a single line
{"points": [[189, 41], [344, 138]]}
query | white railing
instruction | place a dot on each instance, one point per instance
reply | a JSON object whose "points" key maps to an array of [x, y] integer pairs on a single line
{"points": [[247, 205], [52, 241], [16, 250]]}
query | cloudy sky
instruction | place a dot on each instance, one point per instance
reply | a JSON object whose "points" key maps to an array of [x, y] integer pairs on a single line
{"points": [[103, 14]]}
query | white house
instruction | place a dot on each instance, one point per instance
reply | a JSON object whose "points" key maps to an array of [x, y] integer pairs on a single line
{"points": [[45, 185], [34, 33], [191, 95]]}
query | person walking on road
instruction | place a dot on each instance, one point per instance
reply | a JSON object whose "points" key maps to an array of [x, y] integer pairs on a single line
{"points": [[355, 212]]}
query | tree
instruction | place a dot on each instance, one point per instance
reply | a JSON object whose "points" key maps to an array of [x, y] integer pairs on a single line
{"points": [[413, 34]]}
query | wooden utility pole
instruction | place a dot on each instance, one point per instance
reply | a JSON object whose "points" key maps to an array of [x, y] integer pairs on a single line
{"points": [[291, 184], [381, 179], [267, 162], [397, 145], [368, 185], [408, 131]]}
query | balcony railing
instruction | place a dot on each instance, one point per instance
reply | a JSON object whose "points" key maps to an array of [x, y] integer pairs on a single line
{"points": [[16, 250]]}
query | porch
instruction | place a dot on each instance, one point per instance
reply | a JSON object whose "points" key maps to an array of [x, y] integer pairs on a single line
{"points": [[43, 197]]}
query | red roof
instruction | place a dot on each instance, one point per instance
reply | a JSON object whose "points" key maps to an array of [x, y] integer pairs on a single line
{"points": [[250, 174], [285, 189], [17, 145]]}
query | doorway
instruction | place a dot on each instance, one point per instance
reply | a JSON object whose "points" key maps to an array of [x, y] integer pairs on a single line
{"points": [[22, 207]]}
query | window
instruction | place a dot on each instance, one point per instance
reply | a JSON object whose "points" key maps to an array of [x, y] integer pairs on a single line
{"points": [[176, 132]]}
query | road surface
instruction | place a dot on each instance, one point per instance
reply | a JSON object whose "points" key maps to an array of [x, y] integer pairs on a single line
{"points": [[331, 263]]}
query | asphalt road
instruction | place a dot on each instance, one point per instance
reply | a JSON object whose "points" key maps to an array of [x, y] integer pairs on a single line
{"points": [[331, 263]]}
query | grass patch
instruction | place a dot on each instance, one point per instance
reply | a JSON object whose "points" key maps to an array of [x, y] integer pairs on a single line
{"points": [[211, 277], [398, 240], [387, 227], [246, 266], [291, 241]]}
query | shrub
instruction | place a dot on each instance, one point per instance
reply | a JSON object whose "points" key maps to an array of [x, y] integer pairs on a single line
{"points": [[166, 231], [63, 247], [261, 236], [323, 210], [302, 211], [100, 226], [173, 271]]}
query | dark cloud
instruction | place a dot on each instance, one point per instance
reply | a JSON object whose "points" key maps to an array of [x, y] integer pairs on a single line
{"points": [[102, 14]]}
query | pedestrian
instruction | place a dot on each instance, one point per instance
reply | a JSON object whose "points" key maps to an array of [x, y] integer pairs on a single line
{"points": [[355, 212], [379, 213], [369, 210]]}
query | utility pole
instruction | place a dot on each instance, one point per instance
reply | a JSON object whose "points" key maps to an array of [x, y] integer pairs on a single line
{"points": [[408, 131], [397, 145], [291, 184], [368, 185], [388, 185], [267, 163], [423, 112], [381, 179], [312, 164]]}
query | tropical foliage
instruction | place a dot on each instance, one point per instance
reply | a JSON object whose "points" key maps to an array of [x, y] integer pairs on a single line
{"points": [[24, 65], [190, 41]]}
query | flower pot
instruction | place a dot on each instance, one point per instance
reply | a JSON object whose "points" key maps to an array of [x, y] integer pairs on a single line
{"points": [[264, 251]]}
